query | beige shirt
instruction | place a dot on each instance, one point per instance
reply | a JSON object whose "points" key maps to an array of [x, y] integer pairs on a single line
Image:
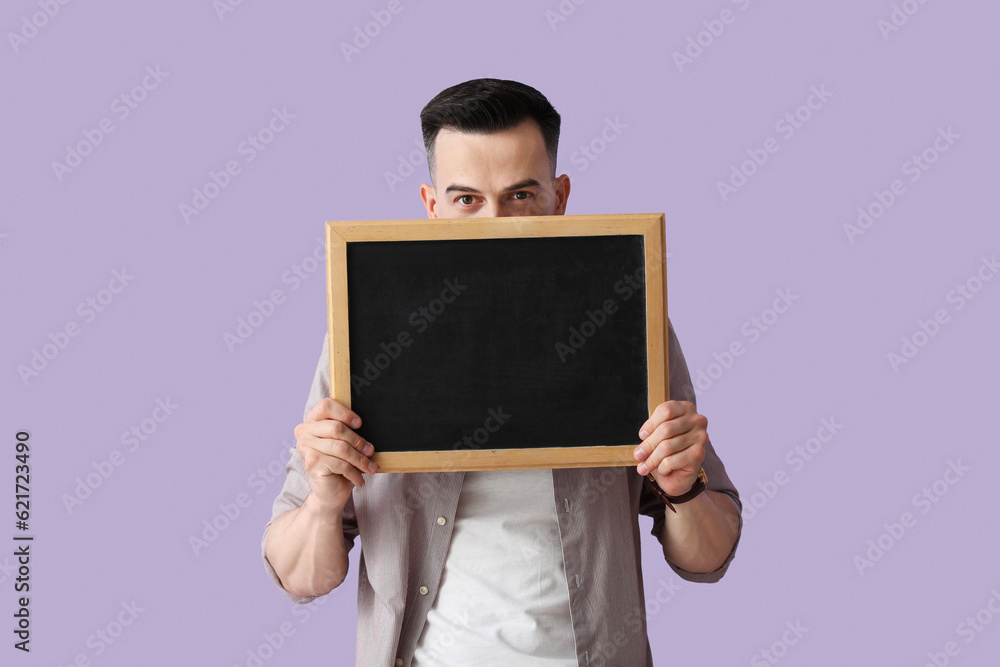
{"points": [[405, 523]]}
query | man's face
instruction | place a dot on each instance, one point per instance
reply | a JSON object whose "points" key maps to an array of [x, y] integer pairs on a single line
{"points": [[494, 175]]}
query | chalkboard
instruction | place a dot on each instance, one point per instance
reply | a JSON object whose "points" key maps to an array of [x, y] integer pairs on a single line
{"points": [[499, 343]]}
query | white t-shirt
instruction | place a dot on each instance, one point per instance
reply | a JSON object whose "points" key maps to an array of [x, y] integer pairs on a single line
{"points": [[503, 597]]}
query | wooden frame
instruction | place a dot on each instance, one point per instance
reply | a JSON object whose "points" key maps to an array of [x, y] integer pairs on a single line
{"points": [[649, 226]]}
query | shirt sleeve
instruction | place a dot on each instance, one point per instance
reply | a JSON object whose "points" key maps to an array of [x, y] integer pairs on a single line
{"points": [[296, 487], [682, 389]]}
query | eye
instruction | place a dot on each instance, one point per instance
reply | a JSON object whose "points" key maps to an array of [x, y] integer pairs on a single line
{"points": [[521, 196], [467, 200]]}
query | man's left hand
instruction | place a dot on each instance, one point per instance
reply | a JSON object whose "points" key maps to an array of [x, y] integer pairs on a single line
{"points": [[673, 446]]}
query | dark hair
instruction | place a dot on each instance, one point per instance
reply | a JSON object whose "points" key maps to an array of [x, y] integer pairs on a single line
{"points": [[487, 106]]}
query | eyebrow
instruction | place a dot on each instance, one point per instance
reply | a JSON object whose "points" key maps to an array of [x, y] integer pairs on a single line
{"points": [[526, 183]]}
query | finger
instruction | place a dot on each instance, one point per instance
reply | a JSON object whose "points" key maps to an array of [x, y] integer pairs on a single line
{"points": [[329, 408], [337, 430], [319, 465], [665, 411], [333, 430], [349, 471], [692, 441], [665, 431], [676, 477], [342, 450], [687, 461]]}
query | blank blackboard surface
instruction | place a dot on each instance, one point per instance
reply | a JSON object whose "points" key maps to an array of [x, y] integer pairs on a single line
{"points": [[508, 341], [525, 335]]}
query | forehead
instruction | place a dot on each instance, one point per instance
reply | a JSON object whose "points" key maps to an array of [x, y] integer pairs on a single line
{"points": [[519, 151]]}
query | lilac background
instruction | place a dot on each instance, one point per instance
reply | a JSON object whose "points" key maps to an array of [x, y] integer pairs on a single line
{"points": [[682, 131]]}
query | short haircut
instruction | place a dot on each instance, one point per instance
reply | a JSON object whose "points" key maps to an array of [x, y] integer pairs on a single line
{"points": [[486, 106]]}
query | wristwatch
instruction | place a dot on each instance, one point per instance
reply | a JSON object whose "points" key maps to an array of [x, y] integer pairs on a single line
{"points": [[699, 485]]}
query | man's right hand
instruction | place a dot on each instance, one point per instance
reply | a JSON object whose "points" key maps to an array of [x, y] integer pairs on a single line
{"points": [[335, 457]]}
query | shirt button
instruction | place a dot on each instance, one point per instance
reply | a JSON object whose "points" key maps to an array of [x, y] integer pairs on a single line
{"points": [[423, 590], [442, 520], [399, 662]]}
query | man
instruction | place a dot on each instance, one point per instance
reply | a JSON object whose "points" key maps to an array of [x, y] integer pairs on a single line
{"points": [[524, 567]]}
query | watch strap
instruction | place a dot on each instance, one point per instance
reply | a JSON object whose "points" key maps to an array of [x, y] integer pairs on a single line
{"points": [[699, 485]]}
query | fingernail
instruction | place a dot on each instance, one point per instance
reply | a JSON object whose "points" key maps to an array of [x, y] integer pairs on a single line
{"points": [[356, 422], [369, 450], [372, 467], [643, 470], [643, 434]]}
